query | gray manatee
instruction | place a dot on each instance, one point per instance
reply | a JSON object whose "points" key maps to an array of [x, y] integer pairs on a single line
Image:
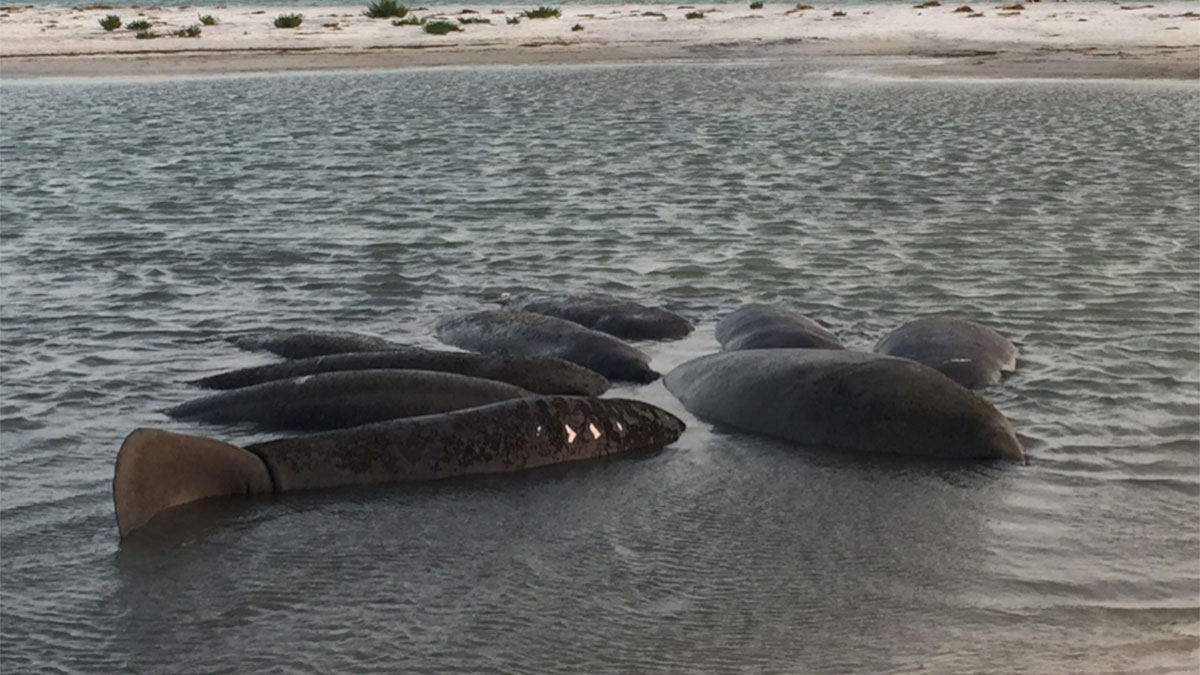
{"points": [[967, 352], [758, 326], [539, 374], [308, 343], [513, 333], [618, 317], [845, 400], [345, 399], [156, 469]]}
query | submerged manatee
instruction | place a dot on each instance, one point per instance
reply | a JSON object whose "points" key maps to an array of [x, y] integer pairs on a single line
{"points": [[346, 399], [842, 399], [618, 317], [539, 374], [757, 326], [309, 343], [967, 352], [156, 469], [515, 333]]}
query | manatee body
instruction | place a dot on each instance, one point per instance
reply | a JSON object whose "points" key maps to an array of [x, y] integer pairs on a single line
{"points": [[156, 470], [346, 399], [513, 333], [618, 317], [306, 344], [967, 352], [846, 400], [758, 326], [538, 374]]}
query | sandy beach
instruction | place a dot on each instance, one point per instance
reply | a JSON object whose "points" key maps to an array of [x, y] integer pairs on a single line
{"points": [[1053, 39]]}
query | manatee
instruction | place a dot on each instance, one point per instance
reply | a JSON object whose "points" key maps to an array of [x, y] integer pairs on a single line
{"points": [[618, 317], [309, 343], [346, 399], [156, 469], [514, 333], [538, 374], [844, 400], [967, 352], [758, 326]]}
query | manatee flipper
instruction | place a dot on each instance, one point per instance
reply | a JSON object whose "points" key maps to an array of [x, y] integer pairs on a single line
{"points": [[159, 469]]}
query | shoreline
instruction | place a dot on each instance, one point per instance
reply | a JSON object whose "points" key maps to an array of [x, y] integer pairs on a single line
{"points": [[1056, 40]]}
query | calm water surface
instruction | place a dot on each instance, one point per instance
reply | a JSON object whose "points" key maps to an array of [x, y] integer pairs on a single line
{"points": [[144, 222]]}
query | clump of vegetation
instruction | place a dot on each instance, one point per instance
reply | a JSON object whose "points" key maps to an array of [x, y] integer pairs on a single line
{"points": [[139, 25], [756, 5], [191, 31], [145, 35], [576, 28], [441, 28], [839, 13], [208, 20], [467, 20], [334, 25], [926, 5], [803, 6], [410, 20], [694, 15], [1013, 8], [512, 20], [110, 22], [289, 20], [384, 9], [542, 13]]}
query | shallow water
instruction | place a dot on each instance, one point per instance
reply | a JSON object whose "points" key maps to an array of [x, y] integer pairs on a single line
{"points": [[143, 222]]}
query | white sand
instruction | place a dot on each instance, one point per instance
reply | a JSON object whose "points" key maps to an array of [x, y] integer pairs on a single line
{"points": [[1050, 38]]}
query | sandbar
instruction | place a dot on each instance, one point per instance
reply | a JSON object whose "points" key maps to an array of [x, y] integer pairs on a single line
{"points": [[992, 40]]}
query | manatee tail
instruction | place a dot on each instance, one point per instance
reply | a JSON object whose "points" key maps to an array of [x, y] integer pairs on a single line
{"points": [[158, 469]]}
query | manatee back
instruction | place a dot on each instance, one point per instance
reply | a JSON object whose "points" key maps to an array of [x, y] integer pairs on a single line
{"points": [[967, 352], [539, 374], [516, 333], [615, 316], [757, 326], [306, 344], [345, 399], [842, 399], [506, 436]]}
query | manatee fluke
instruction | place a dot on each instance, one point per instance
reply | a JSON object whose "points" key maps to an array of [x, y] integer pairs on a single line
{"points": [[306, 344], [346, 399], [539, 374], [156, 470], [758, 326], [515, 333], [967, 352], [845, 400], [618, 317]]}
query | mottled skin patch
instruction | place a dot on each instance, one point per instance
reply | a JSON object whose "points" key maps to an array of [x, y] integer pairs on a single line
{"points": [[507, 436], [967, 352], [757, 326], [620, 318], [843, 399], [345, 399], [306, 344], [539, 374], [515, 333]]}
